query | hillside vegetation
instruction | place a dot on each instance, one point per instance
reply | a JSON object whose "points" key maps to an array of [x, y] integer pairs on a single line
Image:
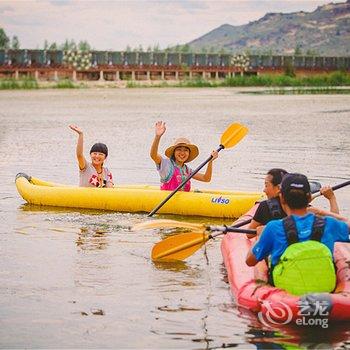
{"points": [[325, 31]]}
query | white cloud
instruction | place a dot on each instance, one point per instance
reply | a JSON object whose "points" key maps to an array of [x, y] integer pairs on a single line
{"points": [[116, 24]]}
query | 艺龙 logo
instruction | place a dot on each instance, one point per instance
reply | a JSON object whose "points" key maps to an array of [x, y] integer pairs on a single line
{"points": [[275, 315], [313, 313]]}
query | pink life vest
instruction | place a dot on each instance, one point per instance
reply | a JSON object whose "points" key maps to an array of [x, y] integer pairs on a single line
{"points": [[178, 175]]}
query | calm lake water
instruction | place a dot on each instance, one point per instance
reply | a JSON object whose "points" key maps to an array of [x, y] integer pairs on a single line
{"points": [[82, 279]]}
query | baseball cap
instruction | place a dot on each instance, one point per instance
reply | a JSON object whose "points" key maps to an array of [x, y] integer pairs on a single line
{"points": [[295, 182]]}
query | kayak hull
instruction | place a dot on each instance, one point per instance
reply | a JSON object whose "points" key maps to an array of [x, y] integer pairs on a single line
{"points": [[136, 198], [250, 289]]}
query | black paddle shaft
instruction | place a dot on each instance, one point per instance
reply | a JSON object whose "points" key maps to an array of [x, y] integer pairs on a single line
{"points": [[184, 182], [336, 187], [225, 229], [346, 183]]}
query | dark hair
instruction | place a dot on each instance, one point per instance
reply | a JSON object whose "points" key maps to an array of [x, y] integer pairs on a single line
{"points": [[99, 147], [296, 199], [277, 175]]}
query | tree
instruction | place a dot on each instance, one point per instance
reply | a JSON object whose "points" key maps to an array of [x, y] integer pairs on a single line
{"points": [[46, 45], [156, 48], [84, 46], [267, 52], [185, 48], [311, 52], [53, 46], [289, 69], [65, 45], [297, 50], [72, 45], [69, 45], [15, 43], [4, 39]]}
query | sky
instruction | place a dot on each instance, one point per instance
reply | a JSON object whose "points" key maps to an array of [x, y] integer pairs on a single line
{"points": [[114, 25]]}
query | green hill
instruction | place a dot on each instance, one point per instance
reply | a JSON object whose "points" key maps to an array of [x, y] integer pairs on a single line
{"points": [[325, 31]]}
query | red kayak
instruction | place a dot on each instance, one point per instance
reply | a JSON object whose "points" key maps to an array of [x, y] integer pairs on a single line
{"points": [[275, 306]]}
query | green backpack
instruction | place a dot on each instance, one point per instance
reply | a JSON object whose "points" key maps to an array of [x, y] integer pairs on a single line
{"points": [[305, 267]]}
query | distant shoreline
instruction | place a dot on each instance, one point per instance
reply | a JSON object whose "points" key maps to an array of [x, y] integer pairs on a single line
{"points": [[334, 83]]}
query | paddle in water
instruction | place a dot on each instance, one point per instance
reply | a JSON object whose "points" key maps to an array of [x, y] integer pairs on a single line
{"points": [[164, 223], [181, 246], [232, 135]]}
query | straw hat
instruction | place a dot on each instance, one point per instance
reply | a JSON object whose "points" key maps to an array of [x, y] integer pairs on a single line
{"points": [[182, 142]]}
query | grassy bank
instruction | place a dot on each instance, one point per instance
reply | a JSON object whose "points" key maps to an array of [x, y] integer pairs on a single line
{"points": [[279, 81], [325, 83], [31, 83], [66, 84], [12, 84], [302, 91], [334, 79]]}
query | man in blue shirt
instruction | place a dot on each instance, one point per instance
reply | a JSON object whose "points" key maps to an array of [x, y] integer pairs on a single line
{"points": [[295, 196]]}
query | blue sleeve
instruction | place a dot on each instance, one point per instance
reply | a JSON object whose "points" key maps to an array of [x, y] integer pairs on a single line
{"points": [[339, 229], [263, 247]]}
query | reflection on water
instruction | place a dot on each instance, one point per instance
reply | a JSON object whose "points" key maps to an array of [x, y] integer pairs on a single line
{"points": [[91, 240], [301, 338], [75, 278], [174, 266]]}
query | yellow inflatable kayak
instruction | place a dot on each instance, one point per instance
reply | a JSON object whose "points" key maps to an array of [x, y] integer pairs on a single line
{"points": [[136, 198]]}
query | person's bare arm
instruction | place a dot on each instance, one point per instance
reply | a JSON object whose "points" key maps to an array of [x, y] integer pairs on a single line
{"points": [[160, 129], [206, 177], [253, 225], [322, 212], [328, 193], [251, 259], [80, 147]]}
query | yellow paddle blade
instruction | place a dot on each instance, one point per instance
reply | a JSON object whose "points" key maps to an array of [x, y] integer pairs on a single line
{"points": [[233, 134], [167, 224], [179, 247]]}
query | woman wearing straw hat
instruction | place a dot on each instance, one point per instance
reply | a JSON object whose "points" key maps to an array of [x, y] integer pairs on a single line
{"points": [[173, 170]]}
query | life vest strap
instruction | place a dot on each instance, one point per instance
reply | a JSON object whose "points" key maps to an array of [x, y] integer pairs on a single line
{"points": [[292, 234], [274, 208]]}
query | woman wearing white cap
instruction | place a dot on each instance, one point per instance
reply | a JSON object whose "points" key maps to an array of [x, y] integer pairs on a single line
{"points": [[172, 169]]}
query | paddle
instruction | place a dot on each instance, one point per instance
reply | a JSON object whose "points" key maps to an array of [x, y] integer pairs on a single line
{"points": [[174, 224], [164, 223], [336, 187], [181, 246], [232, 135], [315, 186]]}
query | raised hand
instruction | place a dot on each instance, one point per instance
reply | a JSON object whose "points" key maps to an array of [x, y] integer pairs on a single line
{"points": [[76, 129], [327, 192], [214, 154], [160, 128]]}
